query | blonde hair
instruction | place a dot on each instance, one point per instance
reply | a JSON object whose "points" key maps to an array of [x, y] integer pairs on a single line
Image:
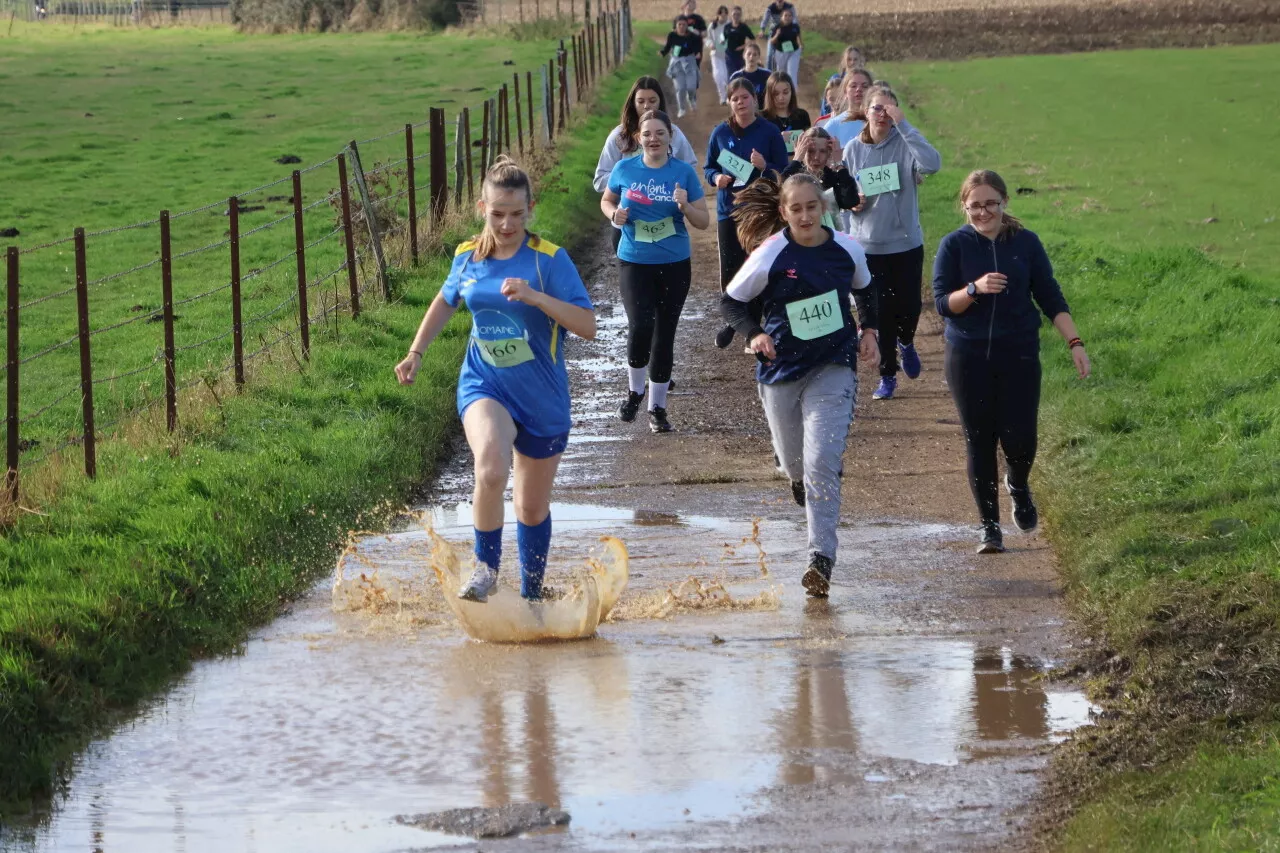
{"points": [[1009, 225], [856, 110], [757, 209], [503, 175], [879, 87], [834, 95]]}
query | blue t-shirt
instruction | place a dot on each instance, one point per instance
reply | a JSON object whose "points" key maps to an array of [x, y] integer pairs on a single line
{"points": [[646, 194], [516, 353]]}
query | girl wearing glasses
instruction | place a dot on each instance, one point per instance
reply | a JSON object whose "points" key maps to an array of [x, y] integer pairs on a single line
{"points": [[989, 279], [885, 159]]}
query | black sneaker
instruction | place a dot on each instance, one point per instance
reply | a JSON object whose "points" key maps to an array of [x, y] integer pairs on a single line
{"points": [[724, 337], [797, 491], [992, 539], [1025, 516], [817, 579], [627, 411], [658, 420]]}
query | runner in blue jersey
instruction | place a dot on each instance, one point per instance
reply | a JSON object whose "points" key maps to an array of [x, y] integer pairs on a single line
{"points": [[524, 294], [652, 197], [806, 341]]}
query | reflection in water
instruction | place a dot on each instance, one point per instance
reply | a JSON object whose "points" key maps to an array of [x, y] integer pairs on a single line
{"points": [[1008, 702], [821, 720]]}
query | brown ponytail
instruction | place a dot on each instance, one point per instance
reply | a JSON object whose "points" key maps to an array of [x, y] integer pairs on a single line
{"points": [[504, 174], [757, 209]]}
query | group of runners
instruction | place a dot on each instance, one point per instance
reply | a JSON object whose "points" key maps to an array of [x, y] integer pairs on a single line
{"points": [[821, 258]]}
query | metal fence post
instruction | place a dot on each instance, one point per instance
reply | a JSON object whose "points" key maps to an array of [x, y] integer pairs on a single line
{"points": [[349, 237], [370, 217], [439, 167], [11, 396], [237, 323], [166, 296], [86, 359], [304, 325], [413, 200]]}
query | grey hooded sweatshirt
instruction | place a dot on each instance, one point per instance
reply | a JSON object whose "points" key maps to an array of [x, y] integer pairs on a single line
{"points": [[612, 153], [890, 221]]}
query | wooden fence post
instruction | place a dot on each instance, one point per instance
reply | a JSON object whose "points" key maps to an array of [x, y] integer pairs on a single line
{"points": [[564, 90], [237, 323], [459, 163], [466, 132], [11, 397], [485, 140], [439, 167], [86, 359], [528, 89], [370, 217], [166, 296], [506, 118], [304, 324], [515, 85], [349, 237], [413, 194]]}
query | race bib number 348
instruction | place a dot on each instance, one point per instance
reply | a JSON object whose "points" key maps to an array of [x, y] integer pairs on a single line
{"points": [[505, 353], [816, 316]]}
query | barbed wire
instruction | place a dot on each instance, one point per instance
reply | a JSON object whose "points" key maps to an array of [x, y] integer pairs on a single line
{"points": [[25, 305], [115, 275], [48, 245], [383, 136], [315, 243], [384, 166], [254, 273], [271, 224], [31, 463], [47, 406], [47, 350], [211, 206], [156, 359], [218, 289], [291, 298], [328, 198], [264, 187], [119, 228], [321, 164], [215, 338], [190, 252], [159, 312]]}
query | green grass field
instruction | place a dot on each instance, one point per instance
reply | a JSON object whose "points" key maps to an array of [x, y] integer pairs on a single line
{"points": [[106, 128], [179, 546], [1160, 474]]}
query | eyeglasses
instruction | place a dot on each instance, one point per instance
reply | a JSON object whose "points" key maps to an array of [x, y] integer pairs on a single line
{"points": [[876, 108], [988, 206]]}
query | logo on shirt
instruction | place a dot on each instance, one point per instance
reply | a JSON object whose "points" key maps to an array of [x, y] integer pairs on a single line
{"points": [[490, 325], [467, 284], [791, 273], [637, 197], [648, 192]]}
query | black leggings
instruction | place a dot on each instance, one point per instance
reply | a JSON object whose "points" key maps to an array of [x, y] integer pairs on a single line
{"points": [[997, 392], [896, 278], [653, 295], [732, 257]]}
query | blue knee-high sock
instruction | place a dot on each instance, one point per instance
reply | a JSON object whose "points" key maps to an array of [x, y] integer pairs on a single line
{"points": [[534, 541], [489, 547]]}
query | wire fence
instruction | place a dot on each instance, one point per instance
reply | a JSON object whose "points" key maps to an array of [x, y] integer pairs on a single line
{"points": [[119, 320]]}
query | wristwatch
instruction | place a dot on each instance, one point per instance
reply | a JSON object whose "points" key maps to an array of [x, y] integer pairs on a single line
{"points": [[971, 290]]}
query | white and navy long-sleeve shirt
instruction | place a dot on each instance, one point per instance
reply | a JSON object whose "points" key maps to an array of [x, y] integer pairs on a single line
{"points": [[804, 294]]}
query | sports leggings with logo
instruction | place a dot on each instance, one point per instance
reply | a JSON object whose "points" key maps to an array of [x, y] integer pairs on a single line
{"points": [[653, 295]]}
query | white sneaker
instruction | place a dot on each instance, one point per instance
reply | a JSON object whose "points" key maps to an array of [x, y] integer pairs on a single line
{"points": [[680, 113], [481, 584]]}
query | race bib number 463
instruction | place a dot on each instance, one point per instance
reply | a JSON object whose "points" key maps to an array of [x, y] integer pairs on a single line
{"points": [[816, 316], [653, 232]]}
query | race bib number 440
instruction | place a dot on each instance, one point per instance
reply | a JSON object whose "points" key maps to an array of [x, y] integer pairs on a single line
{"points": [[505, 353], [816, 316]]}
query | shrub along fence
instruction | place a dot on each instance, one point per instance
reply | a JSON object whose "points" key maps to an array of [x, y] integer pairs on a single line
{"points": [[87, 355]]}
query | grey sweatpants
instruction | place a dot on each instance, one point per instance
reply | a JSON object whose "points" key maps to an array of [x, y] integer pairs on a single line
{"points": [[683, 71], [809, 419]]}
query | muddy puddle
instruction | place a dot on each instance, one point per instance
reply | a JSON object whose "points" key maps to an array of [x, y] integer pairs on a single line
{"points": [[690, 720]]}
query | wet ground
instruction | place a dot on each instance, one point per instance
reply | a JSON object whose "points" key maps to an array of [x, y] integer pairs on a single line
{"points": [[723, 713]]}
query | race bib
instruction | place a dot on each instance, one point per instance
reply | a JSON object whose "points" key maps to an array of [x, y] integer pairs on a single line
{"points": [[792, 138], [814, 317], [721, 43], [675, 51], [505, 353], [652, 232], [788, 47], [737, 167], [879, 179]]}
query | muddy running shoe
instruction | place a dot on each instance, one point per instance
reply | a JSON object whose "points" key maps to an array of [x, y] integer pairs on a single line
{"points": [[817, 579], [481, 585], [658, 420], [797, 491], [910, 360], [724, 337], [627, 411], [884, 391], [1025, 516], [992, 540]]}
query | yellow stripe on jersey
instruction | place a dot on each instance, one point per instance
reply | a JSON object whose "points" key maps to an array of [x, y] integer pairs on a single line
{"points": [[464, 246], [544, 246]]}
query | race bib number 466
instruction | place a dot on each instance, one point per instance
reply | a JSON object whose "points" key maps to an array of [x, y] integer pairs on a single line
{"points": [[816, 316], [505, 353]]}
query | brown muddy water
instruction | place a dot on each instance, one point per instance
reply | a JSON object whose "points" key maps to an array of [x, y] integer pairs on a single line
{"points": [[691, 729]]}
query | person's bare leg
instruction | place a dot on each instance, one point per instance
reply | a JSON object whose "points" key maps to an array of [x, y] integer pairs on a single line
{"points": [[490, 433]]}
